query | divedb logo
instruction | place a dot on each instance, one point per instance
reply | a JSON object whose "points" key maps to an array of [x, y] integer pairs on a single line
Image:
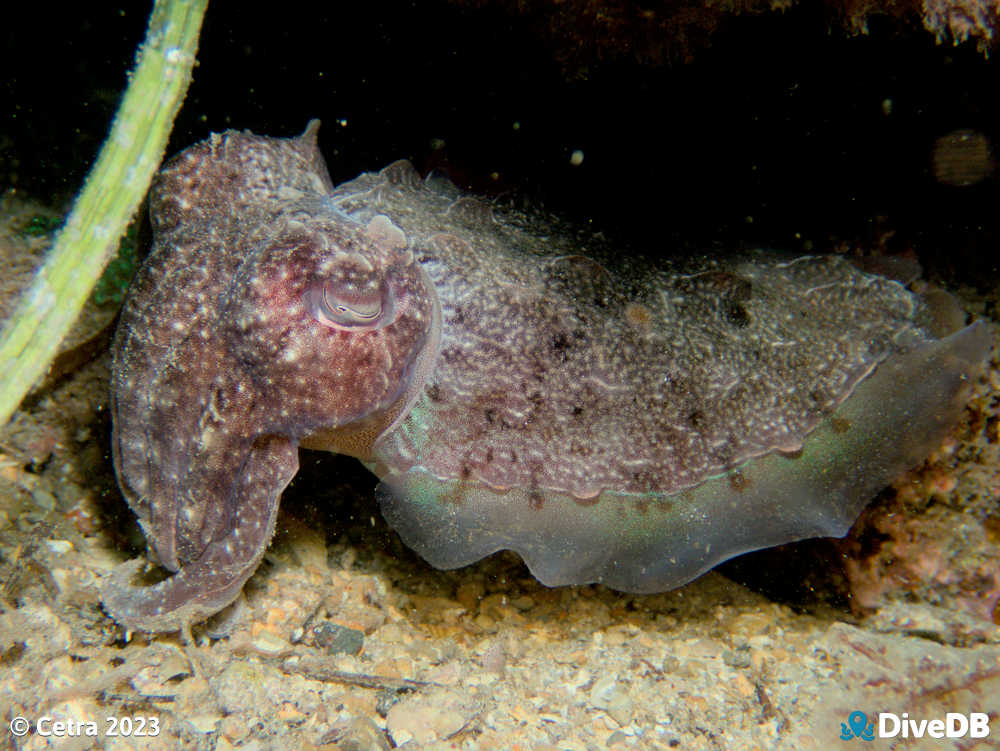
{"points": [[890, 725]]}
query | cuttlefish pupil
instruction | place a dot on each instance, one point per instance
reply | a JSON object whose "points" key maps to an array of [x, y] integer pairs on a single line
{"points": [[349, 310]]}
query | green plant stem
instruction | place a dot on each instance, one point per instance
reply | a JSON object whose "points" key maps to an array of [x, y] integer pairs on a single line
{"points": [[109, 199]]}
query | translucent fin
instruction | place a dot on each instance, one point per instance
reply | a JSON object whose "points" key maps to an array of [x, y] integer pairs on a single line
{"points": [[641, 543]]}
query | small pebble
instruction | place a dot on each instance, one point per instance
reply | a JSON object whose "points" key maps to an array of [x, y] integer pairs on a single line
{"points": [[524, 602], [266, 641], [356, 734], [469, 594], [616, 738], [613, 698], [204, 723], [335, 639], [426, 718], [59, 546], [737, 658]]}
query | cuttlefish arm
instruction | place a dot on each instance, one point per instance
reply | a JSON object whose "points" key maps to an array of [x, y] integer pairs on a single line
{"points": [[215, 578]]}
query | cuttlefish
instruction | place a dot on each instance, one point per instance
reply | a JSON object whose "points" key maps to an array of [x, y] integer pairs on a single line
{"points": [[515, 382]]}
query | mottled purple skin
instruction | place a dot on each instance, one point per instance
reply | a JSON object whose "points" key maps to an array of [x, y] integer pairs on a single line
{"points": [[515, 382], [220, 367]]}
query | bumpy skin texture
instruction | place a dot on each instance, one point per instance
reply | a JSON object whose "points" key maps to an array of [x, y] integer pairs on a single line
{"points": [[220, 367], [514, 382]]}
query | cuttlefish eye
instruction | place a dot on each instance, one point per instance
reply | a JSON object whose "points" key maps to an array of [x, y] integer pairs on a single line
{"points": [[352, 304]]}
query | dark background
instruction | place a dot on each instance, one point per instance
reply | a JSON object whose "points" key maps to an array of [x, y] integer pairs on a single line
{"points": [[774, 134]]}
